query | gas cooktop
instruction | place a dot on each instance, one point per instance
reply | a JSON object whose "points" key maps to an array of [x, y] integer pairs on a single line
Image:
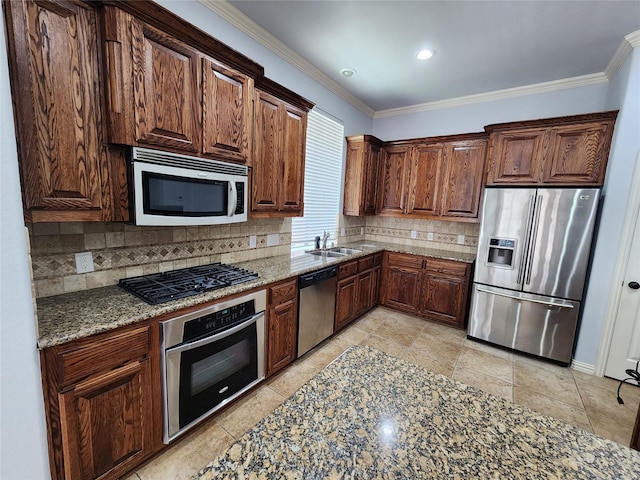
{"points": [[164, 287]]}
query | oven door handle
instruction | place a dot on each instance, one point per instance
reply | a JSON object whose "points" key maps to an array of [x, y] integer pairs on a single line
{"points": [[219, 336]]}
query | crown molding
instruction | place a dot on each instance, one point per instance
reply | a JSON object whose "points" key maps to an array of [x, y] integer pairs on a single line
{"points": [[628, 43], [236, 18], [581, 81]]}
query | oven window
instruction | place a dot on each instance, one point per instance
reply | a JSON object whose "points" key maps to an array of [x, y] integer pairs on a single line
{"points": [[188, 197], [211, 370]]}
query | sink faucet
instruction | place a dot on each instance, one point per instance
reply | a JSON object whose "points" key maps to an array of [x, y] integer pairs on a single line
{"points": [[325, 236]]}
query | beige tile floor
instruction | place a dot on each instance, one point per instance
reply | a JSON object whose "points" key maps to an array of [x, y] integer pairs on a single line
{"points": [[580, 399]]}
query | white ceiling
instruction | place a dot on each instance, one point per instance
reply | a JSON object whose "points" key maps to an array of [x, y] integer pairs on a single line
{"points": [[481, 46]]}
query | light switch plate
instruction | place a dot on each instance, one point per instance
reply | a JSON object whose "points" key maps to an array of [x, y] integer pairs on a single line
{"points": [[84, 262], [252, 241], [273, 239], [414, 234], [430, 236], [460, 239]]}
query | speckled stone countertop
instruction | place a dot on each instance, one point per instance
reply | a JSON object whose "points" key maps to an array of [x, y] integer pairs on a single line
{"points": [[67, 317], [372, 416]]}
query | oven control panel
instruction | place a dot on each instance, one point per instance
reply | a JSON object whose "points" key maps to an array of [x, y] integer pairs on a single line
{"points": [[218, 321]]}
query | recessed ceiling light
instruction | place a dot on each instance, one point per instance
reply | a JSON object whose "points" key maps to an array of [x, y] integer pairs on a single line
{"points": [[425, 54], [347, 72]]}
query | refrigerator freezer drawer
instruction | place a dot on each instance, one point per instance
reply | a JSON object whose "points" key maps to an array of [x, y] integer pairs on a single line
{"points": [[535, 324]]}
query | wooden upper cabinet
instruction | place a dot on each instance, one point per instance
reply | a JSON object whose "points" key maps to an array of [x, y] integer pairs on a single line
{"points": [[293, 159], [465, 162], [578, 153], [561, 151], [361, 175], [54, 69], [394, 179], [438, 177], [426, 184], [185, 98], [166, 90], [516, 156], [278, 159], [227, 112]]}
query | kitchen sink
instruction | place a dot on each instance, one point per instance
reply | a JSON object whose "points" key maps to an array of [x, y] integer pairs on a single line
{"points": [[333, 252], [326, 253]]}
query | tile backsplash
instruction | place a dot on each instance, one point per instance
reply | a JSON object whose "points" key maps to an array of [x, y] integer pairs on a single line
{"points": [[121, 250]]}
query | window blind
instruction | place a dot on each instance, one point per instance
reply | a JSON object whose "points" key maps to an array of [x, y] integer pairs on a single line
{"points": [[322, 175]]}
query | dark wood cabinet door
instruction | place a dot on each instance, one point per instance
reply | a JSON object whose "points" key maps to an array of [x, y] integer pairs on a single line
{"points": [[353, 178], [371, 166], [282, 335], [394, 178], [106, 422], [166, 90], [375, 287], [345, 301], [516, 156], [363, 292], [426, 180], [227, 112], [401, 288], [578, 154], [53, 59], [465, 161], [294, 125], [266, 162], [445, 285]]}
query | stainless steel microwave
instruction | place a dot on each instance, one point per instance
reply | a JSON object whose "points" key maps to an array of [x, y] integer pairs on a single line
{"points": [[174, 189]]}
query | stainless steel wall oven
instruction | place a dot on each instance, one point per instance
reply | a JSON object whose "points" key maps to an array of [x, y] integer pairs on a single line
{"points": [[209, 357]]}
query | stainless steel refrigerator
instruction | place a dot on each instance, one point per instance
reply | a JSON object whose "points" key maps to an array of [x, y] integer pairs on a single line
{"points": [[531, 267]]}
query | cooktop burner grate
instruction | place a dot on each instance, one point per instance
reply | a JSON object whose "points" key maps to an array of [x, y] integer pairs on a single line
{"points": [[164, 287]]}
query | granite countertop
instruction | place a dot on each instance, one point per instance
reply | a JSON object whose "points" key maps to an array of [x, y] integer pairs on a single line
{"points": [[369, 415], [71, 316]]}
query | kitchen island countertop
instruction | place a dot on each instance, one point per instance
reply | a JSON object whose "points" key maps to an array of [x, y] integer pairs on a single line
{"points": [[67, 317]]}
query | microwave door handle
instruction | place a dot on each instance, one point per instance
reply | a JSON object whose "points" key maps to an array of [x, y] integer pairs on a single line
{"points": [[214, 338], [233, 199]]}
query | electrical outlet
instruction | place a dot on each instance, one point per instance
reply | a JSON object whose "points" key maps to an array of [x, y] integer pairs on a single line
{"points": [[361, 230], [84, 262], [430, 236], [414, 234], [342, 232], [252, 241], [460, 239]]}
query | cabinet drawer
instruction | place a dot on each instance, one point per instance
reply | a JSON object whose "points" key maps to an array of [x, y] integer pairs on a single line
{"points": [[365, 263], [405, 260], [348, 269], [377, 259], [283, 292], [102, 353], [446, 266]]}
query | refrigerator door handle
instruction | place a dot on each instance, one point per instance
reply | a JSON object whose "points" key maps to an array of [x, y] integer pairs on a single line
{"points": [[525, 243], [515, 297], [532, 243]]}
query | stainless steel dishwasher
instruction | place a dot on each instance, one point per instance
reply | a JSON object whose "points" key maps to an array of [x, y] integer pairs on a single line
{"points": [[317, 307]]}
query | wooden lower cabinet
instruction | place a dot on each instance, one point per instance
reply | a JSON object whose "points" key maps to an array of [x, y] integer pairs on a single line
{"points": [[436, 289], [103, 403], [357, 289], [282, 326]]}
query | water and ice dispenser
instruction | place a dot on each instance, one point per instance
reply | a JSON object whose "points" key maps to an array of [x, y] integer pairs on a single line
{"points": [[501, 252]]}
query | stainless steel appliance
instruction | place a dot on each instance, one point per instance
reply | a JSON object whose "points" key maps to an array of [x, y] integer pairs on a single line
{"points": [[172, 285], [316, 307], [209, 357], [533, 254], [172, 189]]}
